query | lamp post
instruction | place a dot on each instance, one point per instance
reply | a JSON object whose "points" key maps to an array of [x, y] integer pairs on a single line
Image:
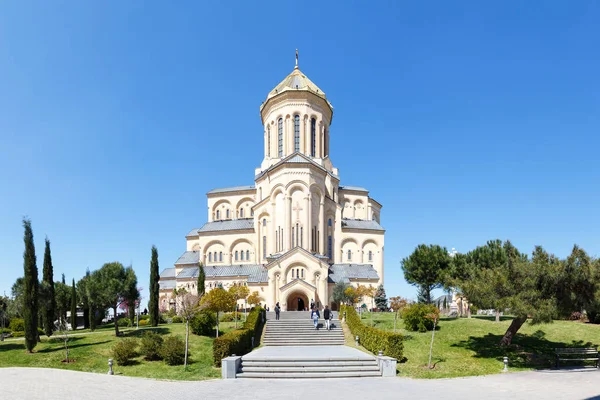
{"points": [[505, 364]]}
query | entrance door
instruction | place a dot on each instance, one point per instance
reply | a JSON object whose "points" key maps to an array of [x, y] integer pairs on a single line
{"points": [[300, 304]]}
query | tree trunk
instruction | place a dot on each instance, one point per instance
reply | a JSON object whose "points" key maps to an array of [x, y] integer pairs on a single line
{"points": [[395, 318], [431, 345], [512, 330], [187, 338], [497, 315], [217, 324], [116, 325]]}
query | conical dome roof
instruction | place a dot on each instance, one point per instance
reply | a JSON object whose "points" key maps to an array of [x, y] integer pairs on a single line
{"points": [[297, 81]]}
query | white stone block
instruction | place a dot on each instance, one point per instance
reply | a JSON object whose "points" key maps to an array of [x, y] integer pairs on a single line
{"points": [[387, 366], [230, 366]]}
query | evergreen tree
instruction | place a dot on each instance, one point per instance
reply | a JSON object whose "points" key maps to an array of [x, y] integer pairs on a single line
{"points": [[154, 288], [30, 293], [82, 298], [63, 279], [380, 298], [427, 268], [201, 280], [49, 309], [445, 304], [73, 306]]}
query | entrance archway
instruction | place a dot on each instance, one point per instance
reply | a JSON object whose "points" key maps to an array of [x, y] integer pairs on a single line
{"points": [[297, 301]]}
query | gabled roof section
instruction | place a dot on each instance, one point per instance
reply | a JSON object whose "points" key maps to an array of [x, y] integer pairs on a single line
{"points": [[277, 258], [366, 224], [227, 225], [232, 189], [167, 273], [166, 284], [298, 281], [345, 272], [255, 273], [354, 188], [188, 258], [193, 233], [294, 158]]}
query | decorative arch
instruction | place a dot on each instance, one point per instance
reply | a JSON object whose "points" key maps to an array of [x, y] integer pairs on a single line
{"points": [[238, 241], [244, 199], [279, 188], [296, 185], [349, 240]]}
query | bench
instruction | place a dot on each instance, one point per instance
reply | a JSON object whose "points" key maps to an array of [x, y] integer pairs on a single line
{"points": [[577, 354]]}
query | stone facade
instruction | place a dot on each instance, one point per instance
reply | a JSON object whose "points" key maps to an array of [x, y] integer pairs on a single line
{"points": [[296, 231]]}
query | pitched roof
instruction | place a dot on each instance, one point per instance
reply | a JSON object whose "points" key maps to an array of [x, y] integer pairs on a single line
{"points": [[166, 284], [189, 257], [371, 225], [345, 272], [296, 80], [231, 189], [228, 225], [254, 272], [355, 188], [193, 232], [294, 158], [167, 273]]}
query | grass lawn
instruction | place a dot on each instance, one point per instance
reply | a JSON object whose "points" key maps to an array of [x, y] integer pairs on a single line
{"points": [[469, 346], [91, 352]]}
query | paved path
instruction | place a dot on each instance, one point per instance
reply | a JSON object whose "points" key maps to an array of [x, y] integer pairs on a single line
{"points": [[307, 352], [39, 383]]}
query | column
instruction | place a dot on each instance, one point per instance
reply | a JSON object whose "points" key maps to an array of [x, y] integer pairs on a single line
{"points": [[322, 223], [310, 223], [323, 295], [287, 231], [318, 139], [289, 136], [272, 246], [306, 236], [302, 134], [273, 288]]}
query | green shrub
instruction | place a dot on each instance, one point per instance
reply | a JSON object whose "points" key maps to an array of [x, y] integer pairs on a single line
{"points": [[41, 332], [150, 345], [173, 350], [177, 319], [231, 317], [144, 322], [373, 339], [17, 325], [18, 333], [203, 323], [239, 342], [144, 317], [124, 322], [415, 317], [124, 351]]}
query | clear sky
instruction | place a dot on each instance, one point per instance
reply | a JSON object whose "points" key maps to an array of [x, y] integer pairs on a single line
{"points": [[468, 121]]}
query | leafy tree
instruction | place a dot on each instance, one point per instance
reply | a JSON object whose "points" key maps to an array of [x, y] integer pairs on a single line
{"points": [[434, 316], [427, 268], [16, 292], [339, 293], [445, 304], [83, 297], [31, 287], [188, 309], [131, 295], [154, 288], [254, 298], [218, 300], [397, 304], [238, 293], [3, 308], [380, 298], [114, 283], [73, 306], [47, 292], [93, 290], [201, 284]]}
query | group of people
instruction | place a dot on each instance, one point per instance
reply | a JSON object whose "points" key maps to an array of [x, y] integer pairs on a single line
{"points": [[314, 315]]}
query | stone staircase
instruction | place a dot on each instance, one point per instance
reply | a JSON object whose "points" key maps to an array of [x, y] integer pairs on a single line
{"points": [[294, 328], [294, 349]]}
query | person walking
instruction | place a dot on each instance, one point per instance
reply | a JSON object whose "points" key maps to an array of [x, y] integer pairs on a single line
{"points": [[277, 310], [328, 315], [314, 315]]}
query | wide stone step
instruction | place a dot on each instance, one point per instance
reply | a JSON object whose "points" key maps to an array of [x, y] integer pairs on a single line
{"points": [[305, 375], [319, 368], [302, 344], [270, 363]]}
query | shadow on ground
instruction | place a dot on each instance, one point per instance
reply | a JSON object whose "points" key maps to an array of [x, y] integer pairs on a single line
{"points": [[526, 351], [140, 332], [11, 346], [71, 346]]}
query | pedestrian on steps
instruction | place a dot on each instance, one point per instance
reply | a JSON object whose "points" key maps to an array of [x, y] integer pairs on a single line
{"points": [[277, 310], [328, 315], [314, 315]]}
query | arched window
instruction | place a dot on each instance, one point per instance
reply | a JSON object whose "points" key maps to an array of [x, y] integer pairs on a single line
{"points": [[209, 257], [349, 255], [227, 214], [236, 255], [329, 222], [329, 246], [296, 133], [303, 274], [220, 256], [313, 136], [280, 137], [370, 255], [215, 256], [247, 255], [293, 273], [210, 285], [264, 247], [241, 213], [242, 255], [268, 141], [218, 214], [264, 222]]}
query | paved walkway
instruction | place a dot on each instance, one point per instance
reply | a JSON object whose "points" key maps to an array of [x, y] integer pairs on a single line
{"points": [[39, 383], [308, 353]]}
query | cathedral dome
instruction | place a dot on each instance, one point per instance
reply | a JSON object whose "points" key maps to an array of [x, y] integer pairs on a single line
{"points": [[296, 81]]}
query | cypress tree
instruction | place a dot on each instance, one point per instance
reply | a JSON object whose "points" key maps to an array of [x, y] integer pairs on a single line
{"points": [[50, 301], [201, 280], [31, 288], [154, 288], [73, 306]]}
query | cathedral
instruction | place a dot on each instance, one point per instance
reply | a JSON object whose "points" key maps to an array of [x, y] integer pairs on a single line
{"points": [[297, 231]]}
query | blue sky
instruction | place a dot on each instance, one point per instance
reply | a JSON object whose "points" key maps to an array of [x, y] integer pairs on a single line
{"points": [[467, 121]]}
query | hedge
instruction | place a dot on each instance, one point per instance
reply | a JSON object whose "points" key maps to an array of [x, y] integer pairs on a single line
{"points": [[239, 341], [373, 339]]}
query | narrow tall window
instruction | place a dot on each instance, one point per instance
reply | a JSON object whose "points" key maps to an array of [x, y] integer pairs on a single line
{"points": [[268, 141], [242, 255], [301, 237], [236, 255], [227, 214], [280, 137], [241, 213], [296, 133], [264, 222], [313, 136], [293, 274], [329, 247], [293, 237], [215, 256], [329, 222], [277, 240], [209, 257], [247, 255], [220, 256], [370, 255], [302, 273], [349, 255], [264, 247], [218, 214]]}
